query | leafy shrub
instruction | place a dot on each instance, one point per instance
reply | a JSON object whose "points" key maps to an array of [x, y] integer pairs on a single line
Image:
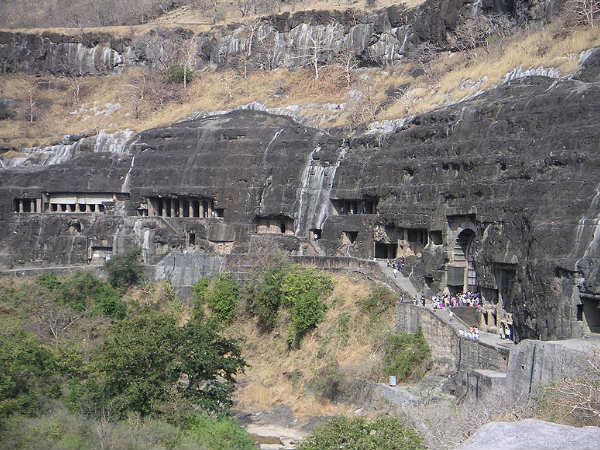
{"points": [[176, 73], [125, 270], [302, 290], [84, 291], [143, 358], [26, 371], [307, 311], [210, 433], [222, 298], [360, 434], [298, 281], [66, 430], [379, 300], [199, 290], [406, 355], [289, 286], [329, 382], [265, 297]]}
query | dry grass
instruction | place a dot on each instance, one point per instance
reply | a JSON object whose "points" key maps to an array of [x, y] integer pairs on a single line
{"points": [[231, 12], [278, 376], [200, 20], [548, 47], [161, 104]]}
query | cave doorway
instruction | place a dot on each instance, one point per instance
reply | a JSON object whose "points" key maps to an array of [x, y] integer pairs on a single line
{"points": [[385, 251], [591, 314], [464, 255]]}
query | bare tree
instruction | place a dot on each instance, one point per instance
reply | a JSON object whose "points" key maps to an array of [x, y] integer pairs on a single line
{"points": [[313, 51], [74, 77], [245, 6], [136, 92], [55, 318], [228, 80], [584, 12], [580, 395], [189, 54], [424, 56], [364, 108], [479, 31], [32, 112], [348, 62]]}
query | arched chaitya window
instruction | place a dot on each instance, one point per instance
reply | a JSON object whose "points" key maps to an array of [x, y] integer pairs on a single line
{"points": [[464, 251]]}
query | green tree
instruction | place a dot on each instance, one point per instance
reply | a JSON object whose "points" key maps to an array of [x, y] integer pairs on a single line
{"points": [[85, 290], [26, 374], [406, 355], [360, 434], [223, 297], [125, 270], [265, 297], [302, 280], [302, 290], [148, 359], [308, 310], [211, 433]]}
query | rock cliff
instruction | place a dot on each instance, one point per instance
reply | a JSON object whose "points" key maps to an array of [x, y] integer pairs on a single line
{"points": [[498, 193], [375, 38]]}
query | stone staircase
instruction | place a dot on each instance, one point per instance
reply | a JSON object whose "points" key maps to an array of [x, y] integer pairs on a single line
{"points": [[401, 281]]}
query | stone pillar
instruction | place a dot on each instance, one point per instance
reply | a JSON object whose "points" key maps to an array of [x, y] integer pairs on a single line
{"points": [[172, 207], [164, 207], [20, 205], [180, 207], [201, 208], [38, 205], [88, 208], [210, 211], [149, 206], [32, 206], [191, 208]]}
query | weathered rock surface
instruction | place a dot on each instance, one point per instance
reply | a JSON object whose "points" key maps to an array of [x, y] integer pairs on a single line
{"points": [[516, 168], [532, 434], [380, 37]]}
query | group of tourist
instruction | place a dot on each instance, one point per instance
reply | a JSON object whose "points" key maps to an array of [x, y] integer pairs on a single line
{"points": [[472, 334], [467, 299], [397, 265], [440, 301]]}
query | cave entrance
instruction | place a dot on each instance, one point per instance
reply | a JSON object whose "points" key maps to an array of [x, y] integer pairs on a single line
{"points": [[591, 314], [316, 233], [464, 255], [385, 251]]}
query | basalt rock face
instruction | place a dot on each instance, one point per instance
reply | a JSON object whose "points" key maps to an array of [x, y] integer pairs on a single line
{"points": [[519, 167], [379, 37], [499, 192], [84, 54]]}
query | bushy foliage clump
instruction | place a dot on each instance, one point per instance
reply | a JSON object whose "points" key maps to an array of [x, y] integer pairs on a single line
{"points": [[406, 355], [177, 74], [125, 270], [379, 300], [141, 363], [65, 430], [359, 433], [84, 291], [27, 373], [221, 296], [300, 290]]}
